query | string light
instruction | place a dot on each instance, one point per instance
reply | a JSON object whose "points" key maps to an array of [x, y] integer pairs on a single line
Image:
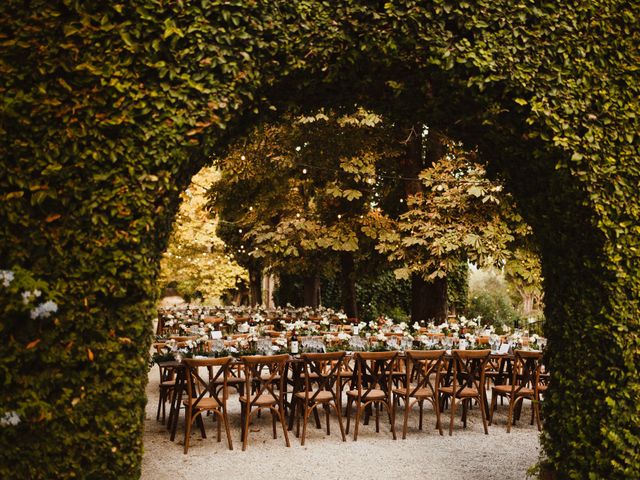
{"points": [[239, 230], [304, 171], [339, 216], [242, 157]]}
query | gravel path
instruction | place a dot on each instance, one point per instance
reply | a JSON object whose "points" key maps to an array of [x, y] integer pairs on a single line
{"points": [[424, 454]]}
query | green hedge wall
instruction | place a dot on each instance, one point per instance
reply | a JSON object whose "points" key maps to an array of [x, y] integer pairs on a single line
{"points": [[110, 107]]}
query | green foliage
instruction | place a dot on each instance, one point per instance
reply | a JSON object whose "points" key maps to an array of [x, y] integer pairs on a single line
{"points": [[458, 288], [489, 299], [460, 215], [378, 294], [195, 262], [109, 108]]}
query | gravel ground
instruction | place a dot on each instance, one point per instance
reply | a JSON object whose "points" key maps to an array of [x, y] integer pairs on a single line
{"points": [[424, 454]]}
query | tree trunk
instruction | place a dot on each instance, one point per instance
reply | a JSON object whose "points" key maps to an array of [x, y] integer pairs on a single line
{"points": [[348, 285], [255, 286], [311, 291], [428, 299]]}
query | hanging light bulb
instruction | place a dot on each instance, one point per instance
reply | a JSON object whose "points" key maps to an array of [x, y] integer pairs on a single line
{"points": [[339, 216], [242, 157], [402, 200], [251, 209], [239, 230], [304, 171], [297, 215]]}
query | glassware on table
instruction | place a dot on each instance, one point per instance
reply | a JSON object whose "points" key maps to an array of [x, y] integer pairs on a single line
{"points": [[263, 346]]}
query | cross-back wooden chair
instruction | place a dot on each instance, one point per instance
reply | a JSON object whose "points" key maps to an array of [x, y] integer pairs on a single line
{"points": [[525, 380], [264, 389], [166, 387], [323, 371], [201, 395], [422, 383], [467, 384], [374, 371]]}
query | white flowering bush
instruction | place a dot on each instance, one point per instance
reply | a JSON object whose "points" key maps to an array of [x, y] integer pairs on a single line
{"points": [[28, 310]]}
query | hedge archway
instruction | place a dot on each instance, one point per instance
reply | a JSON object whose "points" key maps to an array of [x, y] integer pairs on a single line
{"points": [[110, 108]]}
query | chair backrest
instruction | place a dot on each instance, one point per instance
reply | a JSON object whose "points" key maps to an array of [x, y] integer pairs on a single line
{"points": [[374, 371], [421, 365], [469, 368], [526, 370], [266, 373], [326, 367], [195, 383]]}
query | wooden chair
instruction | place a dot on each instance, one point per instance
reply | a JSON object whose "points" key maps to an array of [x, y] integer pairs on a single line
{"points": [[167, 384], [201, 396], [323, 370], [525, 381], [264, 389], [421, 366], [374, 372], [467, 384]]}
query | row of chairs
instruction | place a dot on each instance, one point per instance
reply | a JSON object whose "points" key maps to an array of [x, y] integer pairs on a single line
{"points": [[375, 383]]}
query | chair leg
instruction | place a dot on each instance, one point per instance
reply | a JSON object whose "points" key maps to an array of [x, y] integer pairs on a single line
{"points": [[284, 425], [421, 405], [326, 416], [247, 417], [348, 414], [453, 410], [392, 419], [273, 424], [483, 413], [187, 431], [510, 414], [436, 408], [159, 404], [377, 404], [405, 423], [465, 406], [357, 421], [225, 418], [305, 419], [494, 404], [219, 422], [337, 409]]}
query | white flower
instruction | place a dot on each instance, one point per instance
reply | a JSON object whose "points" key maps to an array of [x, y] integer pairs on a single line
{"points": [[381, 337], [341, 316], [343, 336], [7, 277], [415, 326], [9, 418], [44, 310], [403, 325], [243, 327], [26, 296]]}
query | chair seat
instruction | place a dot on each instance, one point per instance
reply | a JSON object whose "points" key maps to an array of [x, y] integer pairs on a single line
{"points": [[323, 396], [262, 400], [230, 380], [419, 393], [168, 384], [504, 389], [374, 394], [465, 392], [311, 375], [205, 403]]}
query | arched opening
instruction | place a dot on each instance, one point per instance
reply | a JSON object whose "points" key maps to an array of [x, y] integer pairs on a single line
{"points": [[98, 151]]}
